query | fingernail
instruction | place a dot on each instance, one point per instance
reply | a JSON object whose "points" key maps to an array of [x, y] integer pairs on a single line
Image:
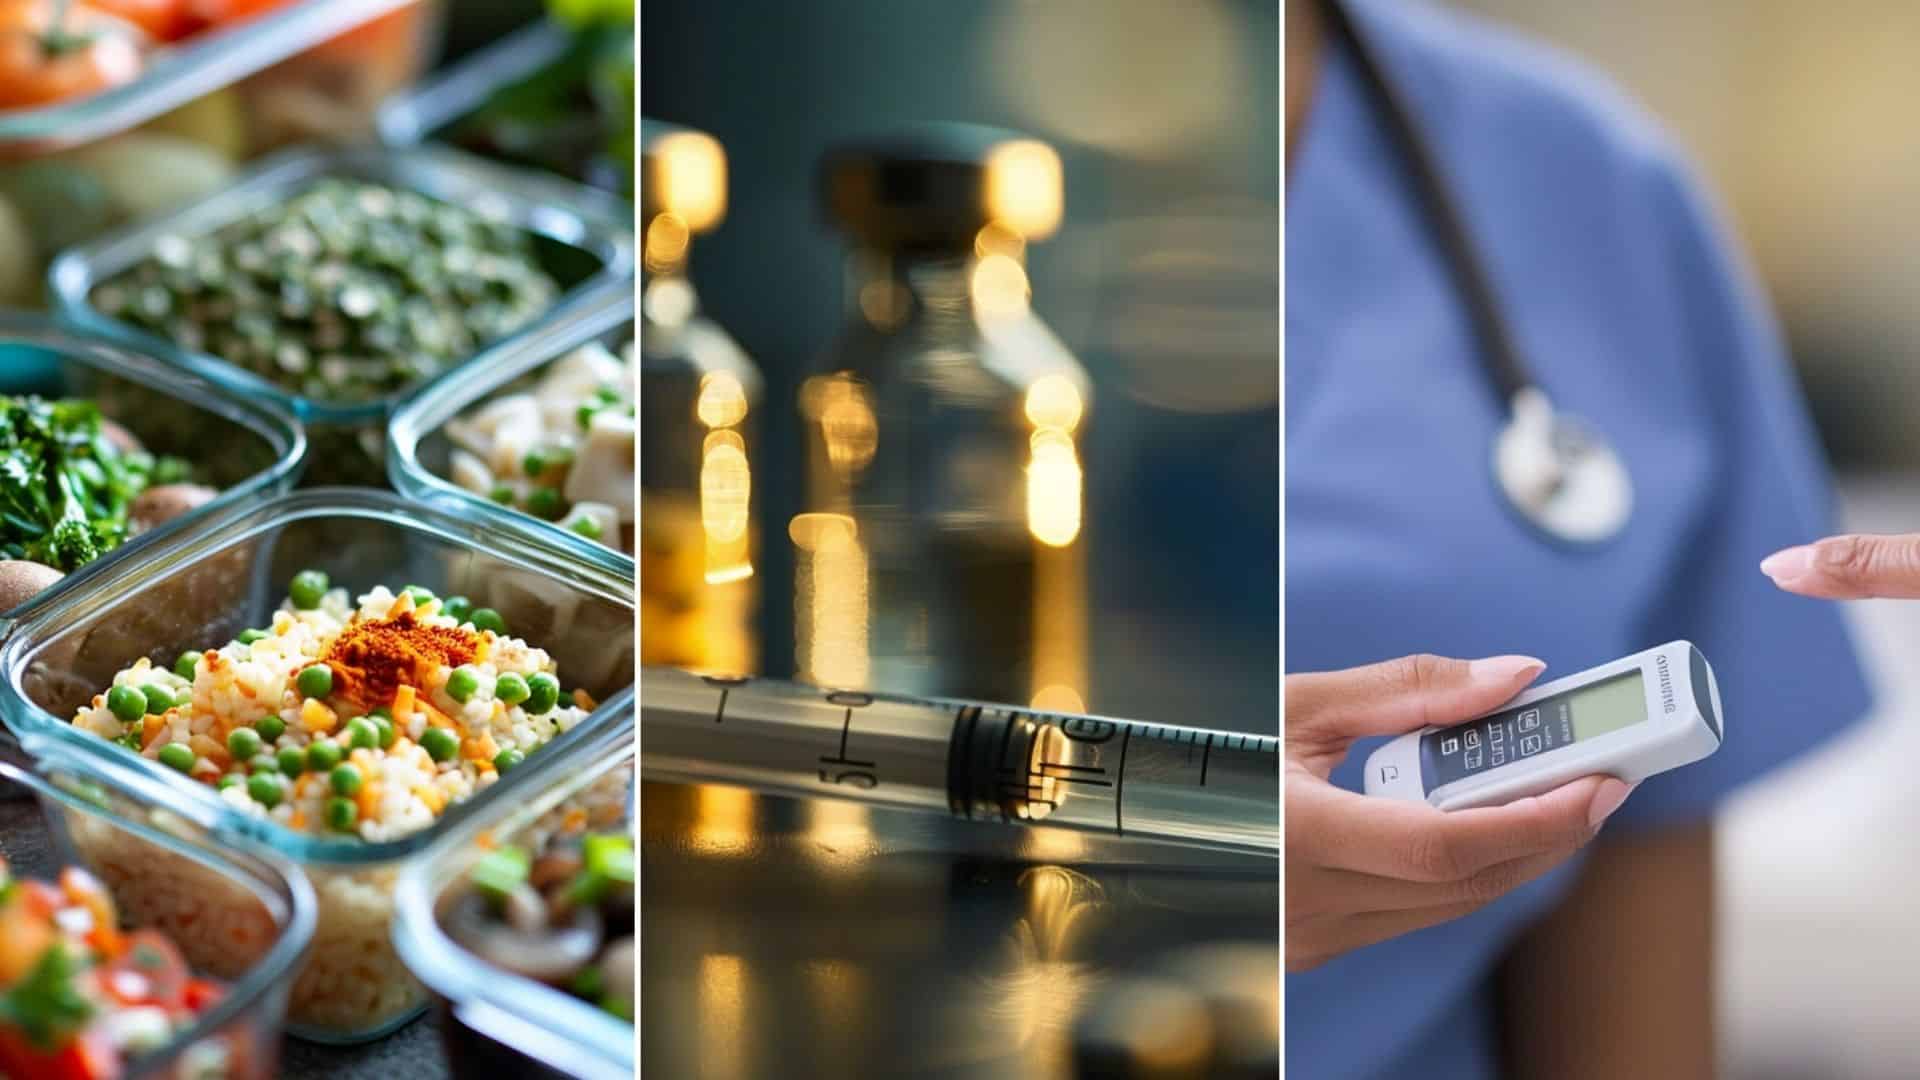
{"points": [[1788, 565], [1612, 793], [1499, 669]]}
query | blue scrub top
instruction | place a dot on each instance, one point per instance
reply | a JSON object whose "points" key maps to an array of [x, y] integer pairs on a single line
{"points": [[1633, 311]]}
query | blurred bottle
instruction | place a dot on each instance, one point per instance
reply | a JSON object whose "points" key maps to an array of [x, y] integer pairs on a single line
{"points": [[698, 392], [941, 552]]}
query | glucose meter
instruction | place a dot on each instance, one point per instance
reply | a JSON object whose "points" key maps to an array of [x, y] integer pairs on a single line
{"points": [[1635, 717]]}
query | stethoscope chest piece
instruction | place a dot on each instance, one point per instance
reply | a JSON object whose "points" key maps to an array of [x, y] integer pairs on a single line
{"points": [[1559, 475]]}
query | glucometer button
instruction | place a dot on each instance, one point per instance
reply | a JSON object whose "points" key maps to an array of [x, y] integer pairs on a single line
{"points": [[1389, 773], [1529, 719], [1450, 744]]}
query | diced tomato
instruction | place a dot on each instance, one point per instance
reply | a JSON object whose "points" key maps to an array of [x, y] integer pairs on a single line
{"points": [[153, 958], [201, 995], [88, 1057], [32, 74], [163, 20]]}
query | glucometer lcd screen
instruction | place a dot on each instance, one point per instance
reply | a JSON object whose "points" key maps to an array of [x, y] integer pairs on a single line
{"points": [[1608, 706]]}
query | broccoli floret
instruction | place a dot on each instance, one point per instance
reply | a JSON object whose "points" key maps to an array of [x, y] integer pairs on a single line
{"points": [[70, 545]]}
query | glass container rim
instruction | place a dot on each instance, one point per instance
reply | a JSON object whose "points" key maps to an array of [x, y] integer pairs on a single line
{"points": [[537, 203], [602, 1044], [112, 352], [27, 719], [27, 762], [432, 405]]}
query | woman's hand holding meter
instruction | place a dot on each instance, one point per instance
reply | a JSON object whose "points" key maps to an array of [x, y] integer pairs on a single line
{"points": [[1362, 870]]}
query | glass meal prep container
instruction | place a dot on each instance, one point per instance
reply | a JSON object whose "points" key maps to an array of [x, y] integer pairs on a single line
{"points": [[165, 866], [499, 1022], [216, 83], [561, 98], [244, 448], [203, 585], [583, 240], [420, 451]]}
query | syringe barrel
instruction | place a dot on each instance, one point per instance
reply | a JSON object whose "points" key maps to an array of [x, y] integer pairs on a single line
{"points": [[973, 760]]}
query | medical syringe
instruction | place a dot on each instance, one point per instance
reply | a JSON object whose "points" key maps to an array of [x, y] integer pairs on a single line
{"points": [[967, 759]]}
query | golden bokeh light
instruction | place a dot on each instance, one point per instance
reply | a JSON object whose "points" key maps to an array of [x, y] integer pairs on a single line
{"points": [[996, 239], [838, 403], [1053, 401], [1024, 187], [722, 401], [1000, 288], [1053, 489], [726, 486], [830, 600], [666, 244], [691, 179]]}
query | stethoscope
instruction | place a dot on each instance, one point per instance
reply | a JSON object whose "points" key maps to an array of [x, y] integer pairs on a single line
{"points": [[1555, 471]]}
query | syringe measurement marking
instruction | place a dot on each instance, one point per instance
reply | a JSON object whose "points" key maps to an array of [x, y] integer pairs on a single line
{"points": [[721, 713], [1120, 775], [1205, 753], [854, 775]]}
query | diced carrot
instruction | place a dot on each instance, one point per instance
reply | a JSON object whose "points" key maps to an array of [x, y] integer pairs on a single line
{"points": [[574, 820], [298, 820], [483, 840], [401, 605], [403, 703], [208, 747], [151, 729], [479, 747], [436, 718], [316, 717], [482, 650], [368, 800], [431, 796], [583, 699]]}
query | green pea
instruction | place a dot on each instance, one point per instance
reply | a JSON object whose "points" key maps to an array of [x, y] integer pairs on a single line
{"points": [[383, 727], [177, 756], [243, 743], [315, 681], [383, 711], [266, 789], [501, 494], [293, 760], [271, 727], [342, 814], [508, 758], [511, 689], [584, 414], [458, 607], [419, 593], [263, 762], [543, 693], [309, 586], [586, 525], [249, 636], [488, 619], [126, 703], [463, 683], [185, 665], [344, 779], [227, 781], [159, 698], [545, 502], [361, 734], [440, 744], [534, 463], [323, 755]]}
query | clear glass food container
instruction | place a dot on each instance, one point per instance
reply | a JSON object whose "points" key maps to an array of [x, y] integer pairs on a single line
{"points": [[582, 238], [245, 447], [204, 584], [435, 109], [500, 1022], [166, 866], [418, 449], [308, 70]]}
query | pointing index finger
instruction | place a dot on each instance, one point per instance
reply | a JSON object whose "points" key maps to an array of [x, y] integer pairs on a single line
{"points": [[1849, 567]]}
